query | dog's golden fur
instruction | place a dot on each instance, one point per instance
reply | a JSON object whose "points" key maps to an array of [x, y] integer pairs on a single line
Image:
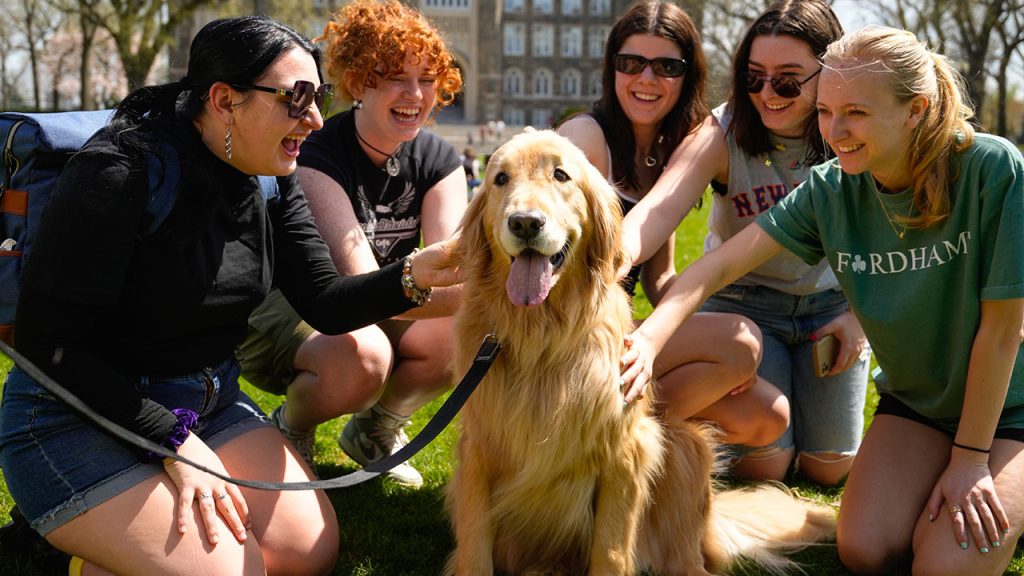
{"points": [[555, 474]]}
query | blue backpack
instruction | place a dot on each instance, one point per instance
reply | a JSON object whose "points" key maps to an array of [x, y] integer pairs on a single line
{"points": [[36, 148]]}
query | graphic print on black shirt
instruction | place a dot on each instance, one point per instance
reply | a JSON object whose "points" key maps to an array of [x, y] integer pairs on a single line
{"points": [[387, 223]]}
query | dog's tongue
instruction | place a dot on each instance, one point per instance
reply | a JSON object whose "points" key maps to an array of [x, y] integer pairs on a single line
{"points": [[530, 279]]}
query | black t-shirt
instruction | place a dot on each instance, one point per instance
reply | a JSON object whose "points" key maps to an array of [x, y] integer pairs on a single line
{"points": [[388, 208], [118, 302]]}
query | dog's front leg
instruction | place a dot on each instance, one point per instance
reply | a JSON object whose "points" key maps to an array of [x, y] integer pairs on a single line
{"points": [[469, 495], [622, 494]]}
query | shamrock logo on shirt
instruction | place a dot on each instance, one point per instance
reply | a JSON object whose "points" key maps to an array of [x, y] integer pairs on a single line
{"points": [[858, 265]]}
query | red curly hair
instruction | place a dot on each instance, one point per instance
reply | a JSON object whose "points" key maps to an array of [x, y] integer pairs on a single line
{"points": [[367, 40]]}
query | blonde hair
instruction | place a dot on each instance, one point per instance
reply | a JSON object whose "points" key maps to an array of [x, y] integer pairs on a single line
{"points": [[944, 130], [367, 40]]}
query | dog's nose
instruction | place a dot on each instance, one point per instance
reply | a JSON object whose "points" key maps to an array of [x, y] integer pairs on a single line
{"points": [[527, 224]]}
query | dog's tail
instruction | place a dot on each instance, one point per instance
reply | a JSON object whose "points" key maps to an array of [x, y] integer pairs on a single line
{"points": [[761, 524]]}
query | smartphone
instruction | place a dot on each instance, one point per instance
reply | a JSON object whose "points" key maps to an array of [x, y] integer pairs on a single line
{"points": [[824, 354]]}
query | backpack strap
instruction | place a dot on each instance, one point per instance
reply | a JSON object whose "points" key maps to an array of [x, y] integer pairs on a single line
{"points": [[268, 186], [162, 172]]}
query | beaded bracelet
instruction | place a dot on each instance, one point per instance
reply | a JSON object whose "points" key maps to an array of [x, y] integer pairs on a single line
{"points": [[417, 295], [187, 420], [972, 448]]}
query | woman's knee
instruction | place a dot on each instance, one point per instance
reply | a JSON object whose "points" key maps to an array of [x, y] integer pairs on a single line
{"points": [[316, 560], [744, 348], [350, 369], [863, 556], [299, 545]]}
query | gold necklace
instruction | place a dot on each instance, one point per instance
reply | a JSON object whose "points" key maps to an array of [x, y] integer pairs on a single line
{"points": [[899, 233], [779, 147]]}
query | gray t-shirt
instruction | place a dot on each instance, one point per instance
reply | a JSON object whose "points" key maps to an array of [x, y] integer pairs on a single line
{"points": [[755, 185]]}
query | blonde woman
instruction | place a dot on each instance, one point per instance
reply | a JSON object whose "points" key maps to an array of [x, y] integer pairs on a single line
{"points": [[920, 218]]}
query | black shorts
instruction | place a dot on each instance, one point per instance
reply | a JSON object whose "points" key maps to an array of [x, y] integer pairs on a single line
{"points": [[888, 404]]}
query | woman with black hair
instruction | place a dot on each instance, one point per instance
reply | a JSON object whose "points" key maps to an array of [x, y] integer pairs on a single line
{"points": [[143, 330]]}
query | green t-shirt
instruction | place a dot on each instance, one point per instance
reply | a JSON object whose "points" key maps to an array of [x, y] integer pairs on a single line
{"points": [[918, 298]]}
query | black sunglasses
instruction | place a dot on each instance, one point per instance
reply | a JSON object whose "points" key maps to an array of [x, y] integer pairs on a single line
{"points": [[785, 86], [664, 67], [300, 97]]}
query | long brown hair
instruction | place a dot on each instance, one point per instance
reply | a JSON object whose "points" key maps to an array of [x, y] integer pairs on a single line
{"points": [[669, 21], [810, 21]]}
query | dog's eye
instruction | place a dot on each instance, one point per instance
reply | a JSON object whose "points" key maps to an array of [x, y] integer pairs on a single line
{"points": [[501, 179], [561, 176]]}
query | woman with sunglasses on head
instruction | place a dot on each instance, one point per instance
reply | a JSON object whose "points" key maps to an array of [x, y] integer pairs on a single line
{"points": [[376, 183], [142, 325], [753, 150], [652, 97], [921, 218]]}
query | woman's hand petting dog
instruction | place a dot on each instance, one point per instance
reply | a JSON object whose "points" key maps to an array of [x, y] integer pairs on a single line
{"points": [[637, 365], [437, 265]]}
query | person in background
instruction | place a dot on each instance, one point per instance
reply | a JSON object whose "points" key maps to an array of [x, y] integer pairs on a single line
{"points": [[653, 96], [753, 150], [143, 331], [920, 217], [471, 165], [377, 185]]}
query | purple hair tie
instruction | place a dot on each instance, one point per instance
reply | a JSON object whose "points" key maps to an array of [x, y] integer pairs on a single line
{"points": [[187, 420]]}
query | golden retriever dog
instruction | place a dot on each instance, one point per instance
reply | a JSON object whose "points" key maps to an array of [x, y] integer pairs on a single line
{"points": [[556, 475]]}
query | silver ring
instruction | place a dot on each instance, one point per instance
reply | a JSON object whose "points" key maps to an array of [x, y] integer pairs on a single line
{"points": [[956, 509], [204, 495], [222, 496]]}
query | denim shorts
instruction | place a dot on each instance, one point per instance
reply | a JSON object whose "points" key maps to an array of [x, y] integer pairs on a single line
{"points": [[827, 414], [57, 465]]}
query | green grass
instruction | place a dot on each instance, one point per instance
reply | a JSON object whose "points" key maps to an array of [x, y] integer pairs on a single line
{"points": [[392, 531]]}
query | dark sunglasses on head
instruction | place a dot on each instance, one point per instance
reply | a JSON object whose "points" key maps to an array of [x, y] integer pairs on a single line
{"points": [[300, 97], [664, 67], [785, 86]]}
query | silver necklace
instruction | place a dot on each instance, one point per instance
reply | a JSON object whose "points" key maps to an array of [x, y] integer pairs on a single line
{"points": [[649, 160], [392, 165]]}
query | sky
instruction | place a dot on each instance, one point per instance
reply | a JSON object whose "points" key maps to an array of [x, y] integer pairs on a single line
{"points": [[853, 14]]}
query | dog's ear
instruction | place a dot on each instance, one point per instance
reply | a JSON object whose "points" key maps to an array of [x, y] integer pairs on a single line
{"points": [[472, 234], [605, 251]]}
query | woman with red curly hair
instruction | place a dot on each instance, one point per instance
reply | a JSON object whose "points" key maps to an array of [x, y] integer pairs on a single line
{"points": [[376, 184]]}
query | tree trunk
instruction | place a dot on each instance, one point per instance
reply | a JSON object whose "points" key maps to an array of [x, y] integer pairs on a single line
{"points": [[86, 92]]}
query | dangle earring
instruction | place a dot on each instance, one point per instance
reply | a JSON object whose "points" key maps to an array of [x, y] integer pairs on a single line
{"points": [[357, 104], [227, 142]]}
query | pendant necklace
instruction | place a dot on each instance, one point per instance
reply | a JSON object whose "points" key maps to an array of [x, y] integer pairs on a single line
{"points": [[649, 160], [899, 233], [780, 148], [392, 165]]}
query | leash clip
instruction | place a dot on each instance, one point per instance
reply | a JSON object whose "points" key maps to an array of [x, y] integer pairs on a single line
{"points": [[489, 348]]}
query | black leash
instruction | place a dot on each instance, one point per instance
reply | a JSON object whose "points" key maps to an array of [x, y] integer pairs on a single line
{"points": [[489, 349]]}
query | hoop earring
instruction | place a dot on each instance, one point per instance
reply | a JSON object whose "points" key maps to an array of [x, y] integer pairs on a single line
{"points": [[227, 142], [357, 104]]}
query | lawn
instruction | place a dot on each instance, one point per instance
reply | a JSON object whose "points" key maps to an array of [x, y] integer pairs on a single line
{"points": [[392, 531]]}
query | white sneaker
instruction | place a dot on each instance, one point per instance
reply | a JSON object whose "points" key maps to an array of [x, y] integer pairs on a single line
{"points": [[375, 434], [304, 442]]}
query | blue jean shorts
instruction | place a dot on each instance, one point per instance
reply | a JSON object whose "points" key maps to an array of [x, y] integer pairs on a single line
{"points": [[57, 465], [827, 414]]}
